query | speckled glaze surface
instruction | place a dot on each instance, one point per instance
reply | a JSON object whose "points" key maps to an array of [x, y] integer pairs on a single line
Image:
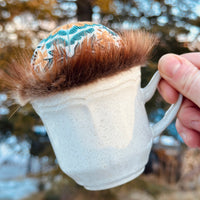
{"points": [[100, 132], [67, 38]]}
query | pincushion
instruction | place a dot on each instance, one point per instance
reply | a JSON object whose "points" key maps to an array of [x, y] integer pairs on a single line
{"points": [[68, 38], [74, 55]]}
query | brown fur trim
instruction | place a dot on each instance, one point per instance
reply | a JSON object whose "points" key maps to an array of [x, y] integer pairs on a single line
{"points": [[91, 62]]}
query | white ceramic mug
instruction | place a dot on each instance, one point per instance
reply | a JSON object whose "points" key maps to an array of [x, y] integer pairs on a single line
{"points": [[100, 132]]}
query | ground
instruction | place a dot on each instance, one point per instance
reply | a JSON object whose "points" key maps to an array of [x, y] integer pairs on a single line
{"points": [[145, 187]]}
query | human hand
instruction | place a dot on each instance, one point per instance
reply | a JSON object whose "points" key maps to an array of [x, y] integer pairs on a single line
{"points": [[182, 74]]}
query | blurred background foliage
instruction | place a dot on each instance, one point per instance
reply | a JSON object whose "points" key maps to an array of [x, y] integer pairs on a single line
{"points": [[23, 23]]}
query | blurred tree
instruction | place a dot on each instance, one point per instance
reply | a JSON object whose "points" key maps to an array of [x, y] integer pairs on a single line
{"points": [[25, 23], [106, 6], [84, 11]]}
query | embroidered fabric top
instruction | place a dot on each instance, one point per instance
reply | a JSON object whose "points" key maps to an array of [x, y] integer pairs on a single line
{"points": [[69, 37]]}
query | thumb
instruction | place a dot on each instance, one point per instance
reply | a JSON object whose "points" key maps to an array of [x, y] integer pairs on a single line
{"points": [[181, 75]]}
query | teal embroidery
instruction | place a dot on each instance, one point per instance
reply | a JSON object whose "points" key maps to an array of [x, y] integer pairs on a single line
{"points": [[56, 42], [81, 34], [68, 40]]}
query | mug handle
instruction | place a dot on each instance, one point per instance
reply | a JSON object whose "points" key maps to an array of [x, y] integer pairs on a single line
{"points": [[170, 114]]}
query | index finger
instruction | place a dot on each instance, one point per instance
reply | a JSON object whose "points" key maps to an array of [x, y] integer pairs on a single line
{"points": [[193, 57], [181, 74]]}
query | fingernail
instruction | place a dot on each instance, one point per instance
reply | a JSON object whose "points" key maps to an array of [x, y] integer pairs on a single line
{"points": [[169, 64], [184, 136], [187, 139], [195, 124]]}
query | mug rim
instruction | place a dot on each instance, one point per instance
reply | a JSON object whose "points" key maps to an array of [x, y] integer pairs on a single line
{"points": [[100, 87]]}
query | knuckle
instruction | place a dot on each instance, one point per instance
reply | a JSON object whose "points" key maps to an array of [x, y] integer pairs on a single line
{"points": [[190, 82]]}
